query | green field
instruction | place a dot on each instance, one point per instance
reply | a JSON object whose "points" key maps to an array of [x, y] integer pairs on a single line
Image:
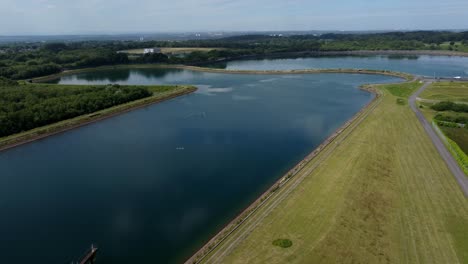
{"points": [[403, 90], [457, 46], [443, 91], [459, 135], [447, 91], [382, 195]]}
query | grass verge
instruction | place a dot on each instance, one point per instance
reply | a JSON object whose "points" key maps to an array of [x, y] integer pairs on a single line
{"points": [[453, 147], [459, 135]]}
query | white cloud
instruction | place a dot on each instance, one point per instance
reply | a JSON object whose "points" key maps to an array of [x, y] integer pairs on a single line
{"points": [[71, 16]]}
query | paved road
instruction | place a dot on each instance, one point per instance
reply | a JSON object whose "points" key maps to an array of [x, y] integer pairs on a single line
{"points": [[451, 162]]}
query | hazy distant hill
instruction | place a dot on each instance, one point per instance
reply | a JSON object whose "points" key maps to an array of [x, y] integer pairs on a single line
{"points": [[174, 36]]}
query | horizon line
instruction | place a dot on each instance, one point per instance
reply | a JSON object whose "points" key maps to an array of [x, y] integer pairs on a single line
{"points": [[222, 31]]}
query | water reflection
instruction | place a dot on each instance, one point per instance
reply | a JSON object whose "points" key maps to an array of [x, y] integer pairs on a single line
{"points": [[442, 66], [119, 75], [97, 76], [402, 57]]}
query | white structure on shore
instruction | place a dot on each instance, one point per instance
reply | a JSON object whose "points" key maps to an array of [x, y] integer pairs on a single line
{"points": [[151, 50]]}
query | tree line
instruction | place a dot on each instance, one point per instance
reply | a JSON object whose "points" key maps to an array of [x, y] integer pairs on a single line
{"points": [[24, 107], [29, 60], [450, 106]]}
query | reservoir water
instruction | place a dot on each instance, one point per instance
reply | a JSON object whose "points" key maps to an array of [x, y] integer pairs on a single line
{"points": [[440, 66], [151, 185]]}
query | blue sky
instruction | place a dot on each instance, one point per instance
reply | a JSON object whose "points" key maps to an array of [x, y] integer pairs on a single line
{"points": [[122, 16]]}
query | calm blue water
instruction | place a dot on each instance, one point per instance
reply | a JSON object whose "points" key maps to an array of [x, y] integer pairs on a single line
{"points": [[441, 66], [151, 185]]}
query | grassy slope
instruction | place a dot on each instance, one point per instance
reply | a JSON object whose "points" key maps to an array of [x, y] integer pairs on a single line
{"points": [[384, 195], [160, 93], [459, 135], [447, 91], [403, 90]]}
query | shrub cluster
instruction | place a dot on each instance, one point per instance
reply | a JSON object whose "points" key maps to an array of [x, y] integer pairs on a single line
{"points": [[447, 124], [455, 119], [450, 106], [284, 243]]}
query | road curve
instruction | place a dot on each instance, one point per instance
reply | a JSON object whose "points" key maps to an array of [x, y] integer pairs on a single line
{"points": [[448, 158]]}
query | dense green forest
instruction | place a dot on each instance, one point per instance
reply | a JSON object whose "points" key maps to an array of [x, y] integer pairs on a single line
{"points": [[24, 107], [29, 60]]}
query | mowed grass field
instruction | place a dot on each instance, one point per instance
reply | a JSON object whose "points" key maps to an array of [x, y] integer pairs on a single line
{"points": [[382, 195], [447, 91]]}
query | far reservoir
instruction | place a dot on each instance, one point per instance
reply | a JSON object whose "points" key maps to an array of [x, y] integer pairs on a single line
{"points": [[440, 66]]}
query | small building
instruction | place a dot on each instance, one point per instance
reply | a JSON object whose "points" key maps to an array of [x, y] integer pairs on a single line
{"points": [[151, 50]]}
